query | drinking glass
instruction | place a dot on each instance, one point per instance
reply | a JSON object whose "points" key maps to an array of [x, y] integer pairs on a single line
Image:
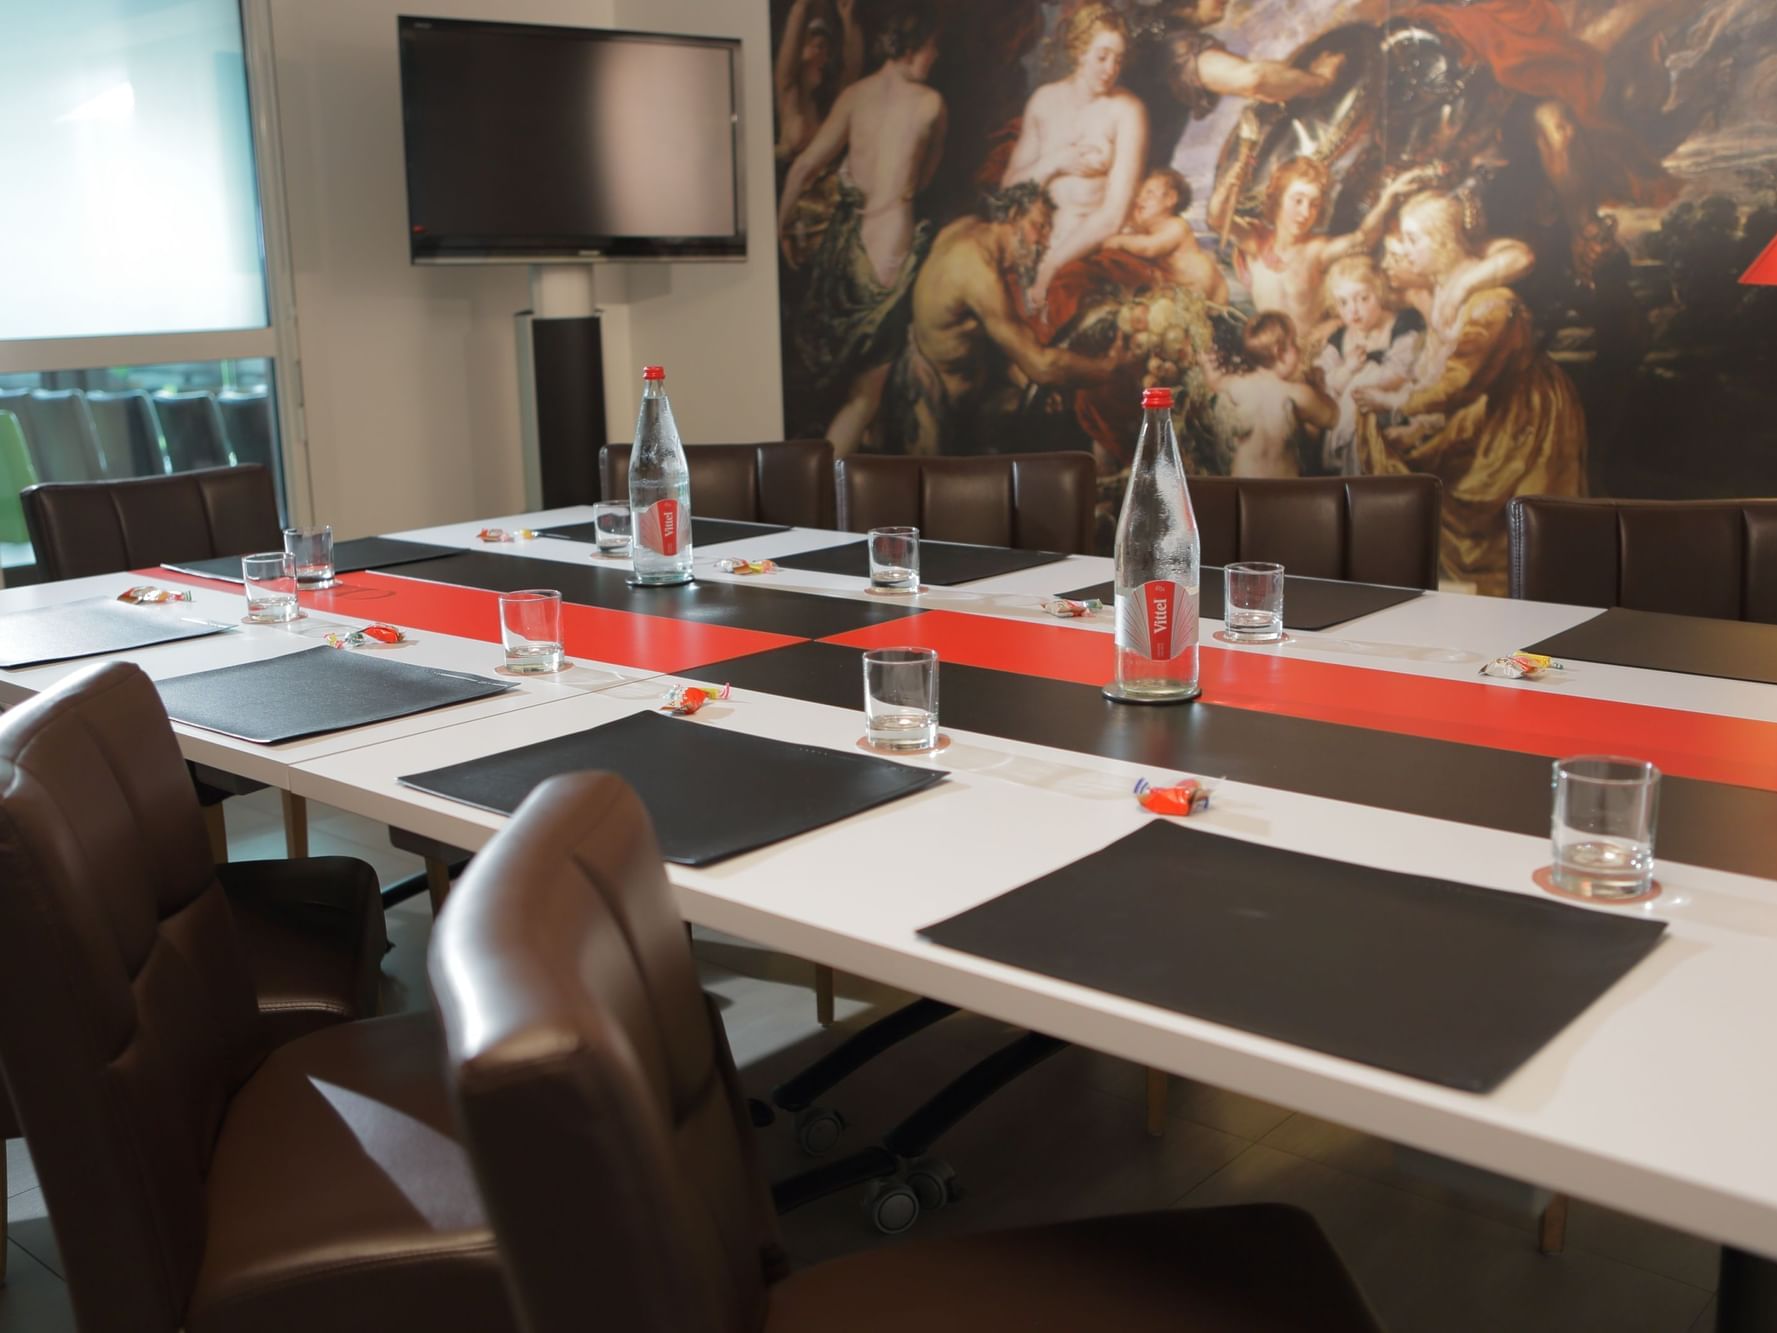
{"points": [[1603, 826], [894, 559], [901, 698], [530, 630], [611, 520], [311, 555], [1252, 609], [271, 588]]}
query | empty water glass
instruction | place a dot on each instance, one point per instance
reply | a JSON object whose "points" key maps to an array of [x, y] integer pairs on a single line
{"points": [[610, 521], [1252, 605], [901, 698], [1603, 826], [530, 630], [311, 555], [894, 559], [270, 580]]}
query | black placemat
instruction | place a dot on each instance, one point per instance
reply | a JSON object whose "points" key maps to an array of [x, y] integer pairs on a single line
{"points": [[320, 690], [1445, 982], [940, 563], [1695, 645], [704, 531], [1307, 603], [92, 626], [348, 558], [711, 793]]}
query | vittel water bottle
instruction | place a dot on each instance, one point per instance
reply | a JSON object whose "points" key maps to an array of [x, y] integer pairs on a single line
{"points": [[659, 490], [1157, 569]]}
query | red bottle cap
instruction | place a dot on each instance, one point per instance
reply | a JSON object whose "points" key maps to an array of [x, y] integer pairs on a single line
{"points": [[659, 373], [1156, 398]]}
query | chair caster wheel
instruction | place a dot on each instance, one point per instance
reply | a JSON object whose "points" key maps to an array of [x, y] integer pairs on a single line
{"points": [[817, 1129], [933, 1182], [891, 1206]]}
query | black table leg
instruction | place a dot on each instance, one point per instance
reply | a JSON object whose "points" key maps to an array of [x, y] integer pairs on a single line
{"points": [[1746, 1297]]}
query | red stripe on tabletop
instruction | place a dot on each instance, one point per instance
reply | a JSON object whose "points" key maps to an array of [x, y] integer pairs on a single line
{"points": [[649, 643], [1530, 720]]}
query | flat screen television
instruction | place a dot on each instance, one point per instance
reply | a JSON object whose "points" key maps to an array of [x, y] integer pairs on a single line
{"points": [[534, 144]]}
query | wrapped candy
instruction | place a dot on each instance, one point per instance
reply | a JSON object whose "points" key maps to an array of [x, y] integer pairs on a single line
{"points": [[144, 593], [1068, 608], [684, 700], [364, 638], [505, 535], [1521, 666], [1188, 797], [729, 565]]}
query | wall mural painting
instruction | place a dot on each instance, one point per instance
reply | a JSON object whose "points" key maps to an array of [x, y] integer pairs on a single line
{"points": [[1497, 241]]}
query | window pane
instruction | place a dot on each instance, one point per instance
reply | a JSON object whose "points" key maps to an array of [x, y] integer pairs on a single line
{"points": [[129, 171], [130, 421]]}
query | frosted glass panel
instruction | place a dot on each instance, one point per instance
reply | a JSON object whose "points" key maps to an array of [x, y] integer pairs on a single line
{"points": [[128, 171]]}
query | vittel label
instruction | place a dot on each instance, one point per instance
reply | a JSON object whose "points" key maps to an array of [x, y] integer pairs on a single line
{"points": [[659, 527], [1157, 620]]}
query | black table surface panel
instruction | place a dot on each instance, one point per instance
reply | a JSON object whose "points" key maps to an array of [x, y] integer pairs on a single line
{"points": [[1696, 645], [704, 531], [738, 605], [940, 563], [711, 793], [1446, 982], [92, 626], [348, 558], [1308, 604], [1701, 823], [308, 693]]}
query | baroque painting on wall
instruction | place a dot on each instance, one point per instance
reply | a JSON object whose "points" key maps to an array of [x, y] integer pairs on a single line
{"points": [[1497, 241]]}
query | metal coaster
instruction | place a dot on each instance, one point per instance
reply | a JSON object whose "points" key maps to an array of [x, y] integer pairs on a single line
{"points": [[250, 620], [1223, 636], [566, 665], [682, 583], [1114, 693], [874, 591], [942, 744], [1545, 880]]}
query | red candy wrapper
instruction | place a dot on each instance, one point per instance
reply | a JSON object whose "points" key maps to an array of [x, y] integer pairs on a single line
{"points": [[144, 593], [363, 638], [733, 566], [503, 535], [684, 700], [1067, 608], [1189, 797]]}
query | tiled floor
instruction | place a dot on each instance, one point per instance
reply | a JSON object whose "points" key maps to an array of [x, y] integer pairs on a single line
{"points": [[1439, 1249]]}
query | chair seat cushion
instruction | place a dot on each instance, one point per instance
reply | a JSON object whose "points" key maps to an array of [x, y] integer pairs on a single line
{"points": [[314, 937], [1256, 1268], [339, 1199]]}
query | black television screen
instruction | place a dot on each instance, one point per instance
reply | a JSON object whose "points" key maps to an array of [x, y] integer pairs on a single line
{"points": [[540, 144]]}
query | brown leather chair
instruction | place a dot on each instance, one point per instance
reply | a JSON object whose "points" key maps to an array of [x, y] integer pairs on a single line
{"points": [[1362, 529], [1036, 502], [194, 1181], [613, 1147], [97, 527], [780, 481], [1685, 557]]}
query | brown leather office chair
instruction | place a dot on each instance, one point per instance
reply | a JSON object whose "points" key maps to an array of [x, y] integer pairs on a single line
{"points": [[1036, 502], [1364, 529], [780, 481], [195, 1181], [613, 1147], [1685, 557]]}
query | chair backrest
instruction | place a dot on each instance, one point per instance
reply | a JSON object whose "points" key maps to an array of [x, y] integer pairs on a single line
{"points": [[247, 425], [16, 473], [1362, 529], [101, 526], [129, 435], [594, 1084], [1685, 557], [65, 425], [1038, 502], [779, 481], [127, 1015], [191, 425]]}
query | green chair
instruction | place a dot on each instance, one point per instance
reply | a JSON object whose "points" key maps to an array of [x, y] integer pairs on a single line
{"points": [[16, 473]]}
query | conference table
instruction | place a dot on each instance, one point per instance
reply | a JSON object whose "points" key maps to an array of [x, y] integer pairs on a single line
{"points": [[1374, 742]]}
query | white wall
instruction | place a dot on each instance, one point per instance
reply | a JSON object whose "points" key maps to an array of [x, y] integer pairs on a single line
{"points": [[409, 374]]}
